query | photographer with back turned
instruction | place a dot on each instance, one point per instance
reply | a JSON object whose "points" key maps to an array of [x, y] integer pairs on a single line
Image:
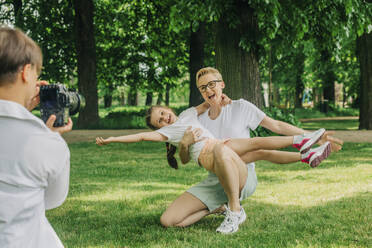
{"points": [[34, 159]]}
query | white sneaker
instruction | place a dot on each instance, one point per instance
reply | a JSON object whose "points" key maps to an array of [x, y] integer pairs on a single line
{"points": [[316, 155], [304, 141], [231, 222], [242, 215]]}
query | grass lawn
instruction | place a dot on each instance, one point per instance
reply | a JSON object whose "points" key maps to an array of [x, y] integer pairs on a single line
{"points": [[118, 192], [332, 124]]}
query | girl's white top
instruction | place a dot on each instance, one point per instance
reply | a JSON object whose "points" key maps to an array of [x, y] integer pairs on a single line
{"points": [[175, 132]]}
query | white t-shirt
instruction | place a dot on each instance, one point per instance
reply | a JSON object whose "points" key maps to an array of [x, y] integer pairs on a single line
{"points": [[175, 132], [34, 176], [235, 120]]}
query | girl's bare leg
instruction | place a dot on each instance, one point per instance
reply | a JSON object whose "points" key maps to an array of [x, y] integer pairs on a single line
{"points": [[277, 157], [231, 172], [241, 146]]}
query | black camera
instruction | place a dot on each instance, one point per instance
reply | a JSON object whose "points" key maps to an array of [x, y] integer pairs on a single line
{"points": [[56, 99]]}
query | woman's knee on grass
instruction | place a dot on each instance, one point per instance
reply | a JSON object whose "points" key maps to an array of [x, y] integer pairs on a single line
{"points": [[166, 220]]}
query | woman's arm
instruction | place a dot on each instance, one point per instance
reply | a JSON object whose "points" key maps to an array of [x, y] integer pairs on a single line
{"points": [[145, 136]]}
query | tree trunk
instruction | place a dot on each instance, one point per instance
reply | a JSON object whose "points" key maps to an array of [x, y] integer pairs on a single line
{"points": [[270, 93], [300, 68], [86, 61], [167, 89], [107, 99], [132, 97], [196, 62], [151, 82], [364, 47], [149, 98], [160, 99], [17, 5], [276, 95], [239, 68], [328, 77]]}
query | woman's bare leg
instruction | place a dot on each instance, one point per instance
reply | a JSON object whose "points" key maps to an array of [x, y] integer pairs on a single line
{"points": [[184, 211], [277, 157], [231, 172], [241, 146]]}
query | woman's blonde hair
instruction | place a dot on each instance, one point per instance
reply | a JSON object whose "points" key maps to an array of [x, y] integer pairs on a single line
{"points": [[17, 50], [208, 70]]}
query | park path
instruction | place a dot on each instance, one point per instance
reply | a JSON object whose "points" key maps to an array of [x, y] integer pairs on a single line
{"points": [[336, 118], [358, 136]]}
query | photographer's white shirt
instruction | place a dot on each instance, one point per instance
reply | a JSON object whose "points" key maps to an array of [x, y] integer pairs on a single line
{"points": [[34, 176]]}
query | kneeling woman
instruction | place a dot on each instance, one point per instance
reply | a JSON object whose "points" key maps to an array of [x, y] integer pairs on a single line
{"points": [[171, 128]]}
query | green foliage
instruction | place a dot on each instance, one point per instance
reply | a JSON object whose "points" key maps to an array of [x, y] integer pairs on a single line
{"points": [[142, 53], [128, 117], [144, 44]]}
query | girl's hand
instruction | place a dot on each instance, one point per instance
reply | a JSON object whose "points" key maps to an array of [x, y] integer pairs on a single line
{"points": [[225, 100], [101, 141], [336, 144]]}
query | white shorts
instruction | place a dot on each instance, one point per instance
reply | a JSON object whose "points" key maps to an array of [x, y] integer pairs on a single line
{"points": [[211, 193]]}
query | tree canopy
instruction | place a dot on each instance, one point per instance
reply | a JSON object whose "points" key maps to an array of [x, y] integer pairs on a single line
{"points": [[154, 48]]}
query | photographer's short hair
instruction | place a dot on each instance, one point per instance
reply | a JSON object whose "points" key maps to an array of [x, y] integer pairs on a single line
{"points": [[208, 70], [17, 50]]}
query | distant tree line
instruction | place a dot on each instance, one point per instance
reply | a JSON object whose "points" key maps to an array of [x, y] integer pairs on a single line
{"points": [[155, 47]]}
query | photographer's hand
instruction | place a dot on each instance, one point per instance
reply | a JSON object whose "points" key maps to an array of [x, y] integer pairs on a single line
{"points": [[66, 128], [35, 100]]}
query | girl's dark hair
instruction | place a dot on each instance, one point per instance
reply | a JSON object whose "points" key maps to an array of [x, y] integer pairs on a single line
{"points": [[171, 149]]}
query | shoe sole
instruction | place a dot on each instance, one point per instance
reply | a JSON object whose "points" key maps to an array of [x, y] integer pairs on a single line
{"points": [[227, 233], [312, 142], [321, 157]]}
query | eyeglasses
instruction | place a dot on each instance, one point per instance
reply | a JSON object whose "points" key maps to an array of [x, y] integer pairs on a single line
{"points": [[210, 85]]}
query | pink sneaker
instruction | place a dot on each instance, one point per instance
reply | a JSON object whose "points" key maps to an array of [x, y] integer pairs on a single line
{"points": [[304, 141], [316, 155]]}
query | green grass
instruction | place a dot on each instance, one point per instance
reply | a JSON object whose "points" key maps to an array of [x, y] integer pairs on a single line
{"points": [[118, 192], [332, 124], [315, 113]]}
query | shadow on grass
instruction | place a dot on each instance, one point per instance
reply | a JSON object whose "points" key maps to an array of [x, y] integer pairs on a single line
{"points": [[345, 222]]}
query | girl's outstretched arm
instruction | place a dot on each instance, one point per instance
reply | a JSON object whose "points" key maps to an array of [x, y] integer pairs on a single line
{"points": [[145, 136]]}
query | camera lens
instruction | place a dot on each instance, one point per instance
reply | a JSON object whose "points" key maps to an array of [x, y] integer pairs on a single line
{"points": [[77, 102]]}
